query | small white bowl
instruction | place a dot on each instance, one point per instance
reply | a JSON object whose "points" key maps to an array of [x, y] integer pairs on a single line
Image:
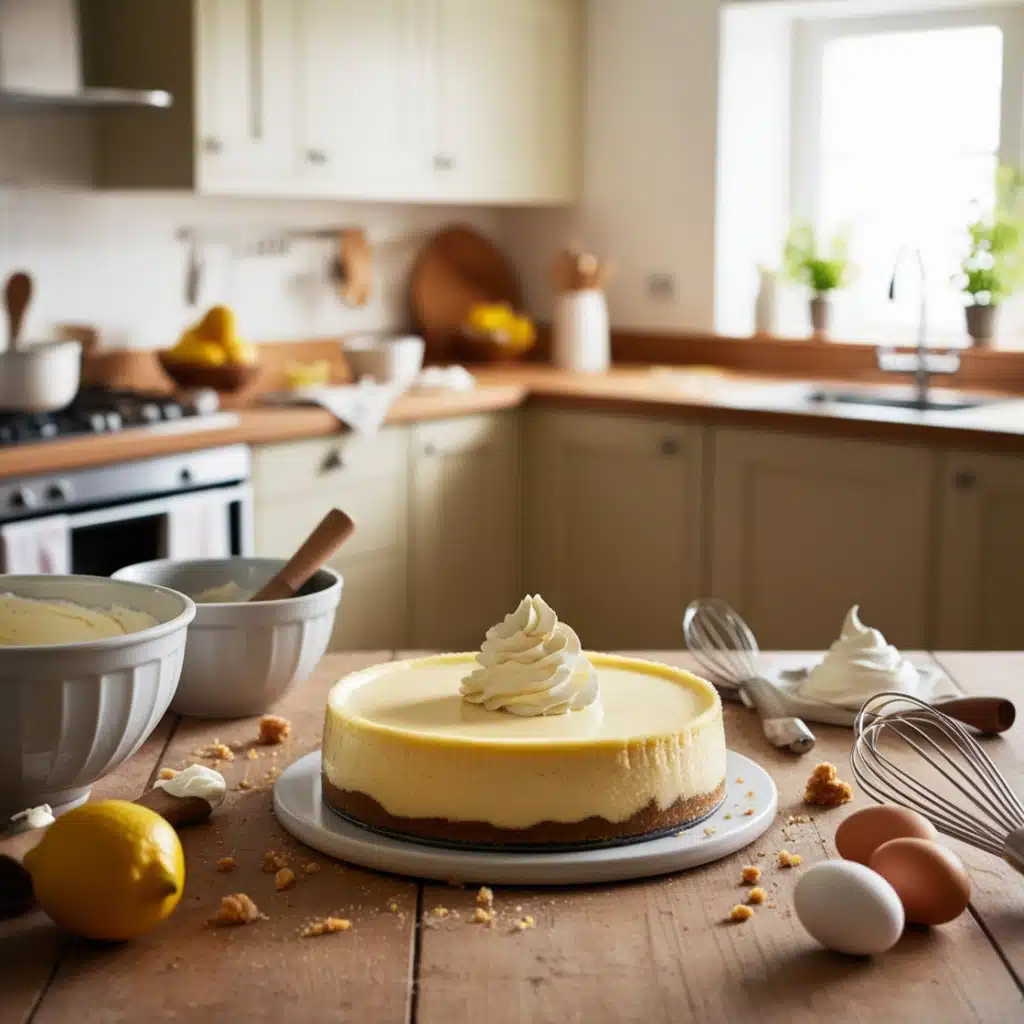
{"points": [[73, 712], [386, 360], [242, 657]]}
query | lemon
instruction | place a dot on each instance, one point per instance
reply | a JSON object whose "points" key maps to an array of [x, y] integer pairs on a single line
{"points": [[108, 870], [238, 351], [198, 353], [217, 325]]}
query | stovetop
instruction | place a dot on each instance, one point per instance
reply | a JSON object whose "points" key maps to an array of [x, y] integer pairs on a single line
{"points": [[99, 410]]}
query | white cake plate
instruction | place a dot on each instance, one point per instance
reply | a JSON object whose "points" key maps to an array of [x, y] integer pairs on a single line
{"points": [[299, 808]]}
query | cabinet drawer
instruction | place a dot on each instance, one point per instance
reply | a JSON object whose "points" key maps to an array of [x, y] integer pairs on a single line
{"points": [[284, 470], [495, 432]]}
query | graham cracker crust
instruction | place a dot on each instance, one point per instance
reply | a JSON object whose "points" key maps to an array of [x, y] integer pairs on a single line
{"points": [[595, 829]]}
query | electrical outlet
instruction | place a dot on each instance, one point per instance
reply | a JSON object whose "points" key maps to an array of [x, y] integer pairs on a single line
{"points": [[661, 286]]}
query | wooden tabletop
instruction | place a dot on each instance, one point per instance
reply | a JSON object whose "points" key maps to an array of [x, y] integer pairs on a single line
{"points": [[650, 951]]}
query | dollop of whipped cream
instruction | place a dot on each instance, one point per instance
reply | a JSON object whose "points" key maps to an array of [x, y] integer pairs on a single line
{"points": [[32, 817], [859, 664], [532, 664], [196, 780]]}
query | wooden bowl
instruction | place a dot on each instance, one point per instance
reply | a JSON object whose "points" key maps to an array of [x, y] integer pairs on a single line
{"points": [[228, 378]]}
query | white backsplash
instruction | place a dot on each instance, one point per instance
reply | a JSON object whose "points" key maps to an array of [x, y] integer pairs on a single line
{"points": [[112, 260]]}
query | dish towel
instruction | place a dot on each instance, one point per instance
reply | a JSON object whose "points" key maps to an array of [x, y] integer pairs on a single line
{"points": [[37, 547], [361, 407], [197, 527]]}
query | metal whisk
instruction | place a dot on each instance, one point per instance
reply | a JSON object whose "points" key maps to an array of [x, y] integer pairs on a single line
{"points": [[981, 810], [726, 648]]}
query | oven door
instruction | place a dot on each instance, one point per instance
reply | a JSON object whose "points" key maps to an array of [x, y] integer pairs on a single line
{"points": [[215, 523]]}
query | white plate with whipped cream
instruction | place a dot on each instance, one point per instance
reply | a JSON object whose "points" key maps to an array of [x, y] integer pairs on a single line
{"points": [[860, 664]]}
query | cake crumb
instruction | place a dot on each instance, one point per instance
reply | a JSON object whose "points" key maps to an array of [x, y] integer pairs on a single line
{"points": [[728, 817], [525, 922], [251, 754], [393, 907], [739, 782], [710, 830], [789, 860], [825, 789], [485, 896], [325, 926], [440, 911], [740, 912], [284, 879], [519, 908], [798, 819], [245, 784], [236, 909], [310, 868], [750, 793], [274, 729], [167, 773], [226, 864], [751, 874], [219, 752], [749, 812], [482, 916], [273, 862], [756, 895]]}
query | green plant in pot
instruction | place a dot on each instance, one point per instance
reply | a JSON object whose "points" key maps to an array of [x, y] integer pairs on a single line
{"points": [[823, 269], [993, 267]]}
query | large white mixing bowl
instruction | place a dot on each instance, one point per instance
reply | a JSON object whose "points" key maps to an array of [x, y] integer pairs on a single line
{"points": [[70, 713]]}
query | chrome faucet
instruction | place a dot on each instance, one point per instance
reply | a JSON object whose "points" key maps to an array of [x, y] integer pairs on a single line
{"points": [[921, 363]]}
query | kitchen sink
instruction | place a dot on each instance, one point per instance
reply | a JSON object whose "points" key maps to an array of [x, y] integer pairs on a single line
{"points": [[936, 402]]}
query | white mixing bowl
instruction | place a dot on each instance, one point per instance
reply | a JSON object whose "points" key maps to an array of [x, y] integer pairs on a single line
{"points": [[242, 657], [73, 712]]}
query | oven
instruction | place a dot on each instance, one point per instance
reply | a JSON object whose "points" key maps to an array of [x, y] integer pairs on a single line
{"points": [[96, 521]]}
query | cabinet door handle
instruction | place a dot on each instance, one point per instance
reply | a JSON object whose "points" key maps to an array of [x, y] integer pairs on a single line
{"points": [[965, 480], [669, 446], [443, 162], [316, 156], [430, 450], [212, 145], [333, 461]]}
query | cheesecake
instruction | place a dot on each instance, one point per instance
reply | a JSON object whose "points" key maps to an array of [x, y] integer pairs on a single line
{"points": [[530, 742]]}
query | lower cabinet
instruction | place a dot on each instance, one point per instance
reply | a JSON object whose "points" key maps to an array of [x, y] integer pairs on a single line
{"points": [[981, 553], [613, 524], [805, 527]]}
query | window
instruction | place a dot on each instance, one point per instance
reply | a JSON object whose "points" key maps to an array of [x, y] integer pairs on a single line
{"points": [[899, 125]]}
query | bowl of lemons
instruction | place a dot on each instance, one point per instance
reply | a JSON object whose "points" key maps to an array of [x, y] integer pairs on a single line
{"points": [[496, 332], [210, 354]]}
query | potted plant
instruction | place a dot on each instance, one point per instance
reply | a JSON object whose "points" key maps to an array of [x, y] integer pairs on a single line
{"points": [[822, 270], [993, 267]]}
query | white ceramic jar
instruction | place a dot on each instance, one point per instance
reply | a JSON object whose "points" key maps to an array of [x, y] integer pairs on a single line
{"points": [[582, 340]]}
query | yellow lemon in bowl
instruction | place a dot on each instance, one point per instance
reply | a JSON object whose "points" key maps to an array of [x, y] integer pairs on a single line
{"points": [[108, 870]]}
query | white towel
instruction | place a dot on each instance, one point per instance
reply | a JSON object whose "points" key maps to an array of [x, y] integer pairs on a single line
{"points": [[198, 527], [361, 407], [37, 546]]}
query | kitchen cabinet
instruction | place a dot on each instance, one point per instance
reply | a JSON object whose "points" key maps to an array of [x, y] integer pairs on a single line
{"points": [[446, 100], [613, 528], [981, 552], [295, 484], [464, 528], [507, 86], [804, 527]]}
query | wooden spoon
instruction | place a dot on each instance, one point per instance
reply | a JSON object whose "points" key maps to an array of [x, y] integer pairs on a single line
{"points": [[330, 533], [17, 296], [16, 894]]}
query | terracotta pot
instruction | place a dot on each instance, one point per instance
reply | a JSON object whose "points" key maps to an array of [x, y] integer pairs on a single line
{"points": [[981, 324], [821, 315]]}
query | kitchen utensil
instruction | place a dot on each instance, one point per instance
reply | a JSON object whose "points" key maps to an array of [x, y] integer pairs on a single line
{"points": [[241, 657], [724, 646], [75, 711], [40, 377], [193, 275], [457, 269], [329, 534], [16, 883], [950, 779], [352, 267], [227, 378], [386, 360]]}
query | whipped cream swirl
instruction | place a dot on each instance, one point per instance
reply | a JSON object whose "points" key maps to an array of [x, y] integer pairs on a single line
{"points": [[531, 664], [859, 664], [196, 780]]}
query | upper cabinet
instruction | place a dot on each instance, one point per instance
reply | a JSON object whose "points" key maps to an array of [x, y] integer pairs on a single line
{"points": [[431, 100]]}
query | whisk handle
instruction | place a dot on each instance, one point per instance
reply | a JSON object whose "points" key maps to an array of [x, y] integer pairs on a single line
{"points": [[781, 729], [1013, 849]]}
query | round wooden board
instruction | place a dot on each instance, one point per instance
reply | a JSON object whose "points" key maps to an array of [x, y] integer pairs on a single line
{"points": [[456, 269]]}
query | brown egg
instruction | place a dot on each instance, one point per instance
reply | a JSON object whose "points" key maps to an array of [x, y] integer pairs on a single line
{"points": [[929, 879], [865, 831]]}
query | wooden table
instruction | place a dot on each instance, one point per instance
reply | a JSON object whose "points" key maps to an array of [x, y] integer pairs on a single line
{"points": [[652, 951]]}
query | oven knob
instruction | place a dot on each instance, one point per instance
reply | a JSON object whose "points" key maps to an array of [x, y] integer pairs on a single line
{"points": [[150, 412], [185, 476], [23, 498], [59, 490], [113, 421]]}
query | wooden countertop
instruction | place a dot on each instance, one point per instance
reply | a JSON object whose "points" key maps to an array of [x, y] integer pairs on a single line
{"points": [[651, 951], [724, 399]]}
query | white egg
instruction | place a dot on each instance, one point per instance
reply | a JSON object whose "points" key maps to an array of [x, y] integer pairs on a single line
{"points": [[849, 908]]}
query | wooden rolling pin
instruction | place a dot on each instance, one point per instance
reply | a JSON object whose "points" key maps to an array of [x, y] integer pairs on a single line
{"points": [[329, 534], [16, 895]]}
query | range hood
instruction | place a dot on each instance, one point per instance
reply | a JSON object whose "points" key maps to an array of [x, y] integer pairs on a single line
{"points": [[41, 64]]}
